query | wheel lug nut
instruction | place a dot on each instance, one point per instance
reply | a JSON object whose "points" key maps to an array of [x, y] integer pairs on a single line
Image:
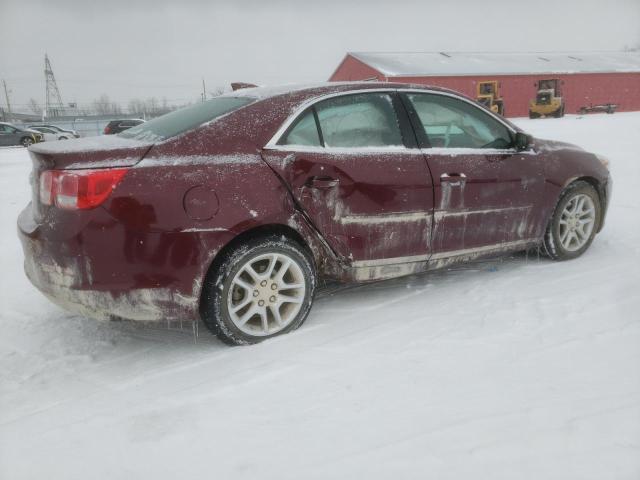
{"points": [[273, 286], [256, 293], [272, 299], [261, 303], [263, 283]]}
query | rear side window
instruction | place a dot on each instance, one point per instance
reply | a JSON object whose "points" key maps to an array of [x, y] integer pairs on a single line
{"points": [[361, 120], [304, 131], [185, 119]]}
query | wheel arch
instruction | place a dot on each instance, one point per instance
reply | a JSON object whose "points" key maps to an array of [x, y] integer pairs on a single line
{"points": [[599, 188], [323, 259]]}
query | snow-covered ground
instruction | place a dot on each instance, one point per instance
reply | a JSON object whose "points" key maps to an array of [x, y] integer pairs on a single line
{"points": [[508, 369]]}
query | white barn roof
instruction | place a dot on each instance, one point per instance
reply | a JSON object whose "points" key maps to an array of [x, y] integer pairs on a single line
{"points": [[417, 64]]}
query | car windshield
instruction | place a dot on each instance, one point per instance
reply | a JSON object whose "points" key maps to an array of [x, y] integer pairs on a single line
{"points": [[185, 119]]}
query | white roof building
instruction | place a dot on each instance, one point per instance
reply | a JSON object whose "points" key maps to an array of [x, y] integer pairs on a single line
{"points": [[410, 64]]}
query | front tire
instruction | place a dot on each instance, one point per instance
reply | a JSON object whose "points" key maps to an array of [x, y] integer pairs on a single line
{"points": [[574, 223], [259, 289]]}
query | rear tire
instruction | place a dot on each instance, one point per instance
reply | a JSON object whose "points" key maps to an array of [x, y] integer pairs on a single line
{"points": [[261, 288], [26, 141], [574, 223]]}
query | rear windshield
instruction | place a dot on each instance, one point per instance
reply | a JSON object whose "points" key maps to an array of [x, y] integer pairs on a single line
{"points": [[185, 119]]}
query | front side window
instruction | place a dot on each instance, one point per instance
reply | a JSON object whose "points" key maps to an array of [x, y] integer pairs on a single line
{"points": [[452, 123], [360, 120]]}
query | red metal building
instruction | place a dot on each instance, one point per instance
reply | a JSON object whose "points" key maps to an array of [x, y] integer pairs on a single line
{"points": [[586, 78]]}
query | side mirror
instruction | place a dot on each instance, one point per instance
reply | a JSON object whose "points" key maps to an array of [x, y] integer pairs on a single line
{"points": [[523, 141]]}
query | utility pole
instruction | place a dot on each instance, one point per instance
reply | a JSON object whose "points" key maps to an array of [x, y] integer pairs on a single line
{"points": [[204, 91], [6, 96]]}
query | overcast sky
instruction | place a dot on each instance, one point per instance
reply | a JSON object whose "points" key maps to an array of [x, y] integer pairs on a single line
{"points": [[130, 49]]}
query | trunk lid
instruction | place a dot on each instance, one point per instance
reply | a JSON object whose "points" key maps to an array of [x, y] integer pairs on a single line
{"points": [[91, 152]]}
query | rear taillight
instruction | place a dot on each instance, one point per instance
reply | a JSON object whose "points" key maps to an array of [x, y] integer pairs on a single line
{"points": [[78, 189], [107, 130], [46, 187]]}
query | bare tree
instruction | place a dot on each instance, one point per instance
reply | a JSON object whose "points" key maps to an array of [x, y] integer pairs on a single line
{"points": [[149, 107], [216, 92], [104, 106]]}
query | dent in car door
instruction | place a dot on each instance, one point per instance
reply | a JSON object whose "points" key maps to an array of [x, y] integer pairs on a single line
{"points": [[373, 203]]}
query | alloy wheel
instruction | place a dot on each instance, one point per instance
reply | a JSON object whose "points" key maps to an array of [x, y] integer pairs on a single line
{"points": [[266, 294], [577, 222]]}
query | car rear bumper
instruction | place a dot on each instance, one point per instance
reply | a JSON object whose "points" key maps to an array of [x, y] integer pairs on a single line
{"points": [[103, 274]]}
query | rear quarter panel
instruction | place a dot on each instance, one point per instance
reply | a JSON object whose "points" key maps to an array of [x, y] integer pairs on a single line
{"points": [[192, 195]]}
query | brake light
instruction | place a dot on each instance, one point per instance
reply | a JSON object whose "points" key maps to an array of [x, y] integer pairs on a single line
{"points": [[107, 130], [78, 189]]}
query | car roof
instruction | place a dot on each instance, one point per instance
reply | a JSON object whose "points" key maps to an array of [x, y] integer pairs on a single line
{"points": [[327, 88]]}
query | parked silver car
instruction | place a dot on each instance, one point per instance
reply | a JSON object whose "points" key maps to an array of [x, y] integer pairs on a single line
{"points": [[12, 135], [50, 134], [63, 132]]}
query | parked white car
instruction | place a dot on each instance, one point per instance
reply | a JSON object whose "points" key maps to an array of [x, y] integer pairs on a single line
{"points": [[50, 134]]}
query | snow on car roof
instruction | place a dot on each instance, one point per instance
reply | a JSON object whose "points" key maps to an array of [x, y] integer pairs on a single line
{"points": [[400, 64], [263, 92]]}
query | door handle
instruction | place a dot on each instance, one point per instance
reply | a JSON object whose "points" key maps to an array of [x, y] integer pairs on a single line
{"points": [[453, 179], [322, 182]]}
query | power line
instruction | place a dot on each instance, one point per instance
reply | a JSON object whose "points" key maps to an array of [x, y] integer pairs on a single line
{"points": [[125, 102]]}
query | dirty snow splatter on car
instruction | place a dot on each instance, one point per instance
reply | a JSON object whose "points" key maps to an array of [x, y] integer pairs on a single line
{"points": [[507, 368]]}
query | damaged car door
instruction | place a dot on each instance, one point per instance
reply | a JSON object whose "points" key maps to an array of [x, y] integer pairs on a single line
{"points": [[352, 163], [487, 192]]}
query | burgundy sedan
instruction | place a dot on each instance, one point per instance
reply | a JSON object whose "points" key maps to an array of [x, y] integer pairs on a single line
{"points": [[231, 209]]}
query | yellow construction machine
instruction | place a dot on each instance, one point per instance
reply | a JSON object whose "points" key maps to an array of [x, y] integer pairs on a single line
{"points": [[489, 95], [548, 101]]}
